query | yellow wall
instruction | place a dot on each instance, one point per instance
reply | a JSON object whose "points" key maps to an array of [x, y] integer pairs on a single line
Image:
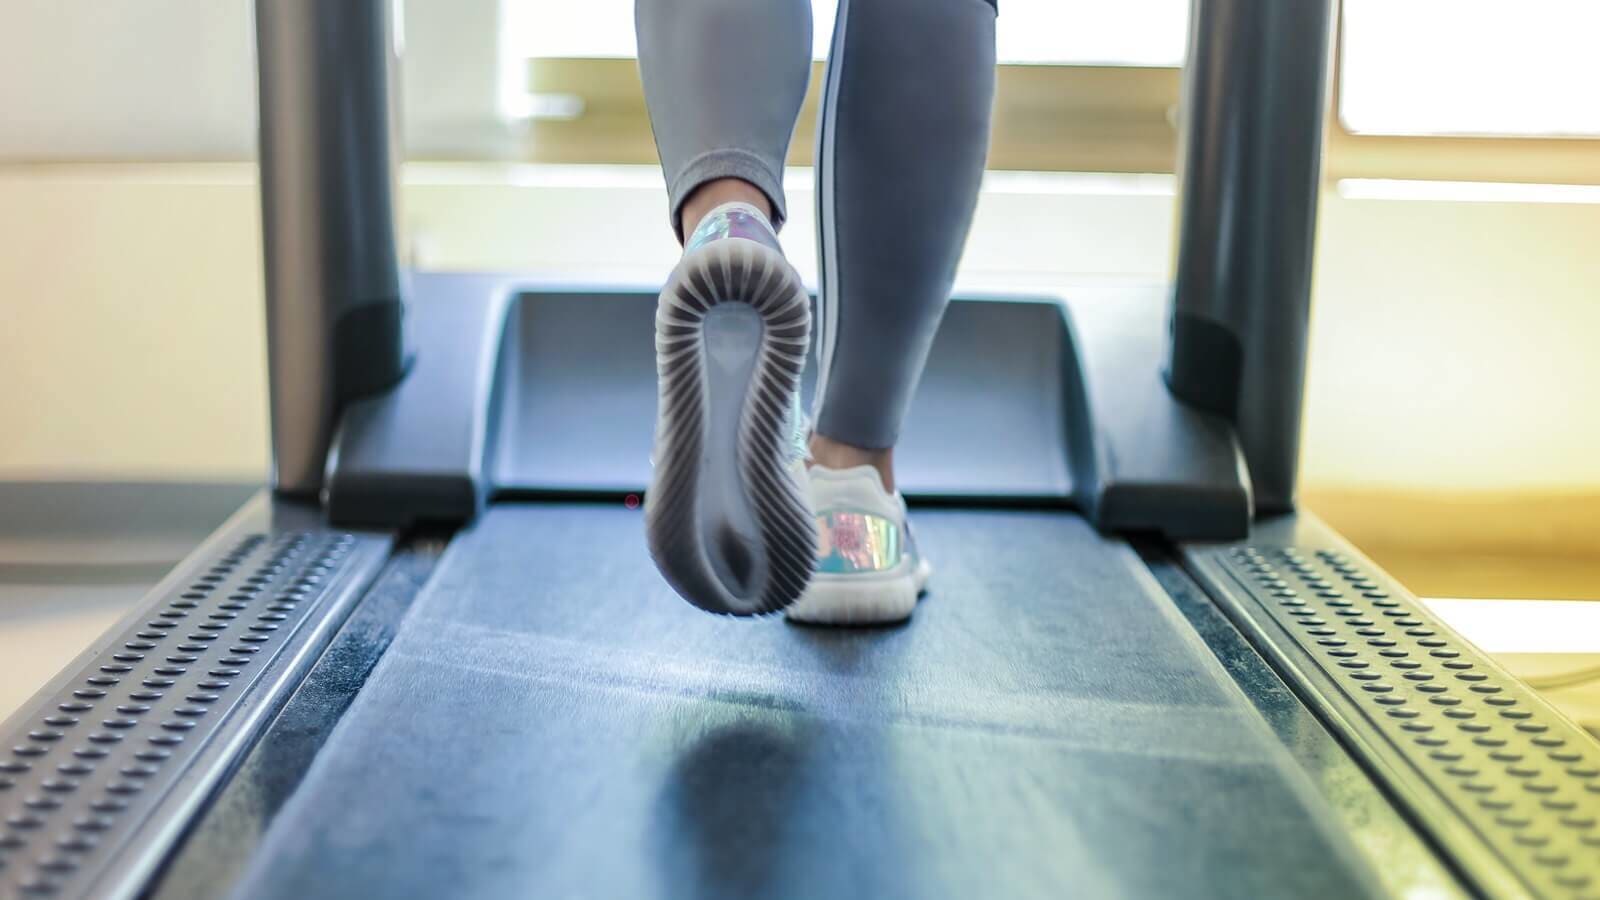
{"points": [[1450, 349], [132, 340], [1454, 346]]}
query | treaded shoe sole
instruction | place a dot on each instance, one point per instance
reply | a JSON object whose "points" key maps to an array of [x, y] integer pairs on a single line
{"points": [[726, 523]]}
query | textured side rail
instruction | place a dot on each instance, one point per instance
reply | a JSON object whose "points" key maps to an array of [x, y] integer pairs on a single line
{"points": [[88, 771], [1428, 710]]}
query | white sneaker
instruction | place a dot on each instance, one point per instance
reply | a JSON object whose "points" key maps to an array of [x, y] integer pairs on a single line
{"points": [[868, 568], [726, 516]]}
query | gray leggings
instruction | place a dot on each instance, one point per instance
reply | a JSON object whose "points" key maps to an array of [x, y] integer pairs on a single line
{"points": [[902, 136]]}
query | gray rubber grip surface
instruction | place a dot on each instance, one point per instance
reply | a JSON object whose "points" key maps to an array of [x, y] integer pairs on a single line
{"points": [[551, 721]]}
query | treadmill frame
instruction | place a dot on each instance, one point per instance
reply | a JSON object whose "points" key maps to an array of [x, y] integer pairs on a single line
{"points": [[1258, 72]]}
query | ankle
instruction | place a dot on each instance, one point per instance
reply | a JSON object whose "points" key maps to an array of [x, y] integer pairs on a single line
{"points": [[713, 194], [826, 451]]}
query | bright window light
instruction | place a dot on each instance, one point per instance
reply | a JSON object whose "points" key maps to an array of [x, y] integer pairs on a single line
{"points": [[1471, 67], [1093, 32], [1467, 191], [1081, 32]]}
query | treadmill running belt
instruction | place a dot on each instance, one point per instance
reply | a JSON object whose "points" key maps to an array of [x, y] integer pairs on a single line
{"points": [[552, 721]]}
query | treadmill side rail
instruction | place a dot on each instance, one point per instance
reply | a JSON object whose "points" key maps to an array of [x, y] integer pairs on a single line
{"points": [[1254, 101], [103, 770], [1508, 785], [329, 164]]}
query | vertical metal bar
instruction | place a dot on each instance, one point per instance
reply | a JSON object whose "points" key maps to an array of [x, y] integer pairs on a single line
{"points": [[328, 168], [1255, 93]]}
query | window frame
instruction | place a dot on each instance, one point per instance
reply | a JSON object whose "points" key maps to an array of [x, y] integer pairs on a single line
{"points": [[1077, 118]]}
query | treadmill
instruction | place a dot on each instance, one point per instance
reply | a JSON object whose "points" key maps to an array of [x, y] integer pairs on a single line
{"points": [[434, 659]]}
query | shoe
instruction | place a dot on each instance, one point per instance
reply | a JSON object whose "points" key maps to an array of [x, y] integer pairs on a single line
{"points": [[868, 569], [727, 516]]}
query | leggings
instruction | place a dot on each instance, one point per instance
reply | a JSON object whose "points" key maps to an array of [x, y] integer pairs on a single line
{"points": [[901, 141]]}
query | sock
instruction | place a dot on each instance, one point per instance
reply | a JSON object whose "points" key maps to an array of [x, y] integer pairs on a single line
{"points": [[733, 219]]}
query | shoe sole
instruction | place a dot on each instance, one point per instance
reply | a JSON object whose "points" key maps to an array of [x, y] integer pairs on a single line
{"points": [[725, 521], [879, 599]]}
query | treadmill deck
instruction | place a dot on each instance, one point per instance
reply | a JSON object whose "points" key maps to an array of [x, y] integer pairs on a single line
{"points": [[551, 721]]}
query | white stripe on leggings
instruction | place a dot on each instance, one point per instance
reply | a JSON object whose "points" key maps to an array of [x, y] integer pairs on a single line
{"points": [[828, 289]]}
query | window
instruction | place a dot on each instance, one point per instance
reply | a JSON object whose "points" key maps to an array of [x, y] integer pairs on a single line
{"points": [[1471, 67], [1076, 32], [1084, 85], [1462, 90]]}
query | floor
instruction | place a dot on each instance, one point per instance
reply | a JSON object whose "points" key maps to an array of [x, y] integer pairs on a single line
{"points": [[1553, 645], [75, 558], [1488, 543]]}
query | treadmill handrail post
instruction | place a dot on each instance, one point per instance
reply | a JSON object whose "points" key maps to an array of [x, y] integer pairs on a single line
{"points": [[1254, 103], [328, 168]]}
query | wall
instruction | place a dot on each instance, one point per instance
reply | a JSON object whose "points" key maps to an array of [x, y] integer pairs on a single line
{"points": [[1450, 336], [175, 80], [1450, 346]]}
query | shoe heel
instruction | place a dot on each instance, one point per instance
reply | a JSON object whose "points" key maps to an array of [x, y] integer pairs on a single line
{"points": [[726, 523]]}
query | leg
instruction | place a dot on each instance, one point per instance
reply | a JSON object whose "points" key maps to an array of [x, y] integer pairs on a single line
{"points": [[727, 516], [723, 80], [901, 146], [900, 152]]}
